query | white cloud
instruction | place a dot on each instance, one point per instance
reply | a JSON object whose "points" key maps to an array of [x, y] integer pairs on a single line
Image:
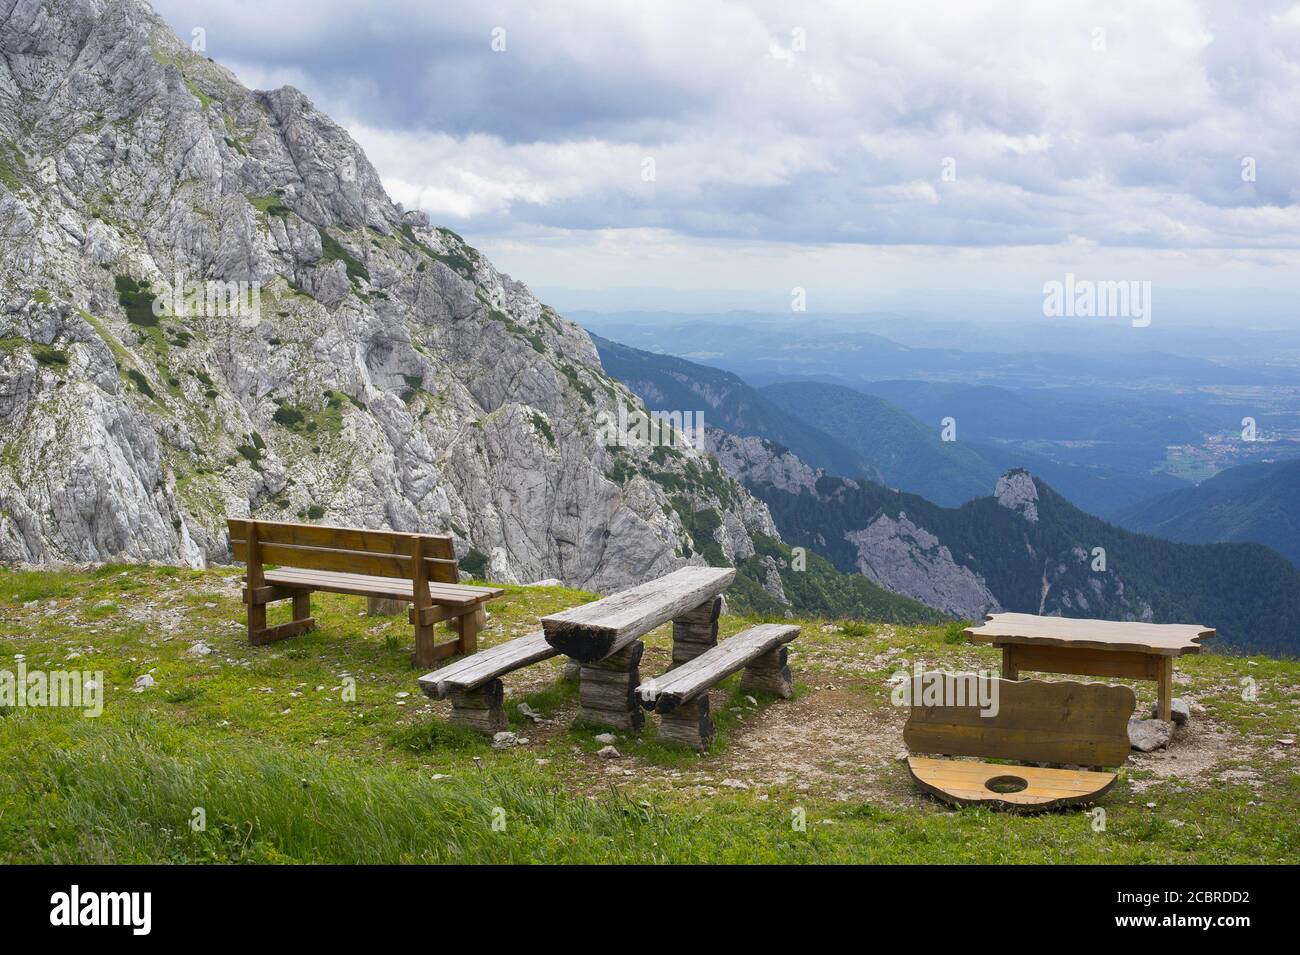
{"points": [[1074, 126]]}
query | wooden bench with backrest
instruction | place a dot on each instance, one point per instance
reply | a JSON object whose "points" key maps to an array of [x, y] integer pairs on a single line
{"points": [[1064, 723], [474, 683], [416, 568], [681, 696], [604, 637]]}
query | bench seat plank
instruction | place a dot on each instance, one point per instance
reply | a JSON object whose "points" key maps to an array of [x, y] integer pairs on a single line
{"points": [[596, 630], [963, 782], [395, 588], [475, 670], [684, 683]]}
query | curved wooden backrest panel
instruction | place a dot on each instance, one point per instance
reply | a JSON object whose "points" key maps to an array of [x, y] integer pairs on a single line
{"points": [[1084, 724]]}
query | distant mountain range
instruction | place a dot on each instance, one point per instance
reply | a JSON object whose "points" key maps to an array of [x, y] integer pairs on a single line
{"points": [[1026, 548], [1252, 502], [665, 382], [849, 433], [911, 455]]}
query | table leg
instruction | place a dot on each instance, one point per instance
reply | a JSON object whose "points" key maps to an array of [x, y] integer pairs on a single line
{"points": [[1009, 671], [1166, 665]]}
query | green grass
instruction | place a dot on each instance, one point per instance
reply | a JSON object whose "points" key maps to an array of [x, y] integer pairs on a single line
{"points": [[332, 251], [287, 768]]}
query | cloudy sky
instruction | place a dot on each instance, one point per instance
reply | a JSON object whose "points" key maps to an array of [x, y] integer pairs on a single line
{"points": [[723, 153]]}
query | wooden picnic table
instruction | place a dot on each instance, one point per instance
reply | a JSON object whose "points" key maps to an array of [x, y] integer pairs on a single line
{"points": [[1130, 650]]}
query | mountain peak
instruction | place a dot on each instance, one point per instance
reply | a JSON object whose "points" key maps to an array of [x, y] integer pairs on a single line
{"points": [[211, 289], [1017, 492]]}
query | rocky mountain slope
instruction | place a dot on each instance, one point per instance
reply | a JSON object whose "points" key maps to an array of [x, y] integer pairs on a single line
{"points": [[376, 371]]}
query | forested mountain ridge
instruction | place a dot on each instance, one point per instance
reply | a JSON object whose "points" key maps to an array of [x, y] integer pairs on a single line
{"points": [[1259, 503], [1032, 551]]}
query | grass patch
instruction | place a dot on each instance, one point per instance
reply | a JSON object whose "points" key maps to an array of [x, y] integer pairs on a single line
{"points": [[333, 251], [141, 383], [136, 300], [290, 769]]}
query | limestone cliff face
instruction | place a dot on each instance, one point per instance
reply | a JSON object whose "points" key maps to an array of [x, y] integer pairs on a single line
{"points": [[759, 461], [376, 372], [909, 560]]}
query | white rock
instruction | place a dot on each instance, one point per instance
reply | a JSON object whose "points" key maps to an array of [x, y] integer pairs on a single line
{"points": [[608, 752], [505, 740], [608, 739], [1179, 711], [1148, 735], [142, 683]]}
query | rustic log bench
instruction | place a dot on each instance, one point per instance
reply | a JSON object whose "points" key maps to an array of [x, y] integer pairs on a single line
{"points": [[474, 683], [416, 568], [1075, 724], [681, 696], [605, 637]]}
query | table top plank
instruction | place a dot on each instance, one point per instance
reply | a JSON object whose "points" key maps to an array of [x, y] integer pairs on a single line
{"points": [[1158, 639]]}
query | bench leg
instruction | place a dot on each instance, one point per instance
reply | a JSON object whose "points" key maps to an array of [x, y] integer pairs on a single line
{"points": [[467, 626], [259, 634], [770, 674], [1009, 669], [480, 709], [696, 631], [1166, 688], [256, 622], [607, 690], [688, 724], [427, 650]]}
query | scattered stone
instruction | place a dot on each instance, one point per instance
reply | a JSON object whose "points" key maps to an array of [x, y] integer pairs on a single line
{"points": [[607, 739], [608, 752], [734, 784], [504, 740], [402, 694], [1148, 735], [439, 776], [548, 582], [1178, 710], [527, 711], [143, 683], [751, 701]]}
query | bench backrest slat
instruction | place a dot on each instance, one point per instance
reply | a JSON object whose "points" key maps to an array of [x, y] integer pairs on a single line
{"points": [[1084, 724], [345, 549]]}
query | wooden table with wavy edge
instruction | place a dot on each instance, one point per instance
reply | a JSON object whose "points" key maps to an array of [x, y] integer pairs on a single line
{"points": [[1115, 648]]}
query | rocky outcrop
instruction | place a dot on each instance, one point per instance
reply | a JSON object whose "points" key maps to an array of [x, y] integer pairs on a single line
{"points": [[909, 560], [1016, 491], [371, 370], [759, 461]]}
